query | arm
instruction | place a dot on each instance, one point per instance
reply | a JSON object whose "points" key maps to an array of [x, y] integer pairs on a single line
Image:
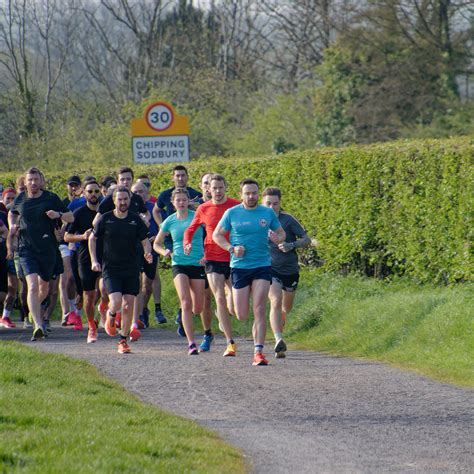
{"points": [[157, 215], [147, 250], [73, 238], [67, 217], [158, 244], [300, 243], [93, 252], [218, 236], [190, 231]]}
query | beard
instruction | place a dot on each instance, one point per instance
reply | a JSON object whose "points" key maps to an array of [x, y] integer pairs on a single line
{"points": [[123, 207]]}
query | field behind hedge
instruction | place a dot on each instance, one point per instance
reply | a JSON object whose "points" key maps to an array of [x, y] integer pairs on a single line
{"points": [[392, 209]]}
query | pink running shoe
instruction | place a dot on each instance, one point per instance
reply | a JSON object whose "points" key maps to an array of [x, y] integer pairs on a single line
{"points": [[6, 322]]}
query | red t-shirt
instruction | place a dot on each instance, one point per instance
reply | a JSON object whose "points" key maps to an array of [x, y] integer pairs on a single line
{"points": [[210, 214]]}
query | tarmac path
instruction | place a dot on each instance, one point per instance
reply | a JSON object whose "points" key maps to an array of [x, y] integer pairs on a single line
{"points": [[308, 413]]}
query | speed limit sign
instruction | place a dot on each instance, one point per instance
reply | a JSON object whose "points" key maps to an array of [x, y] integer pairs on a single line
{"points": [[159, 116]]}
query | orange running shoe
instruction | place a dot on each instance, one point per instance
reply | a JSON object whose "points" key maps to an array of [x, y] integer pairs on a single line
{"points": [[123, 347], [118, 320], [259, 359], [134, 334], [110, 328], [92, 334], [78, 323]]}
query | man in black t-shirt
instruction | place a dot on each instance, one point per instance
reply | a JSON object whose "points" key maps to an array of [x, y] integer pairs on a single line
{"points": [[33, 216], [120, 231], [125, 179], [79, 231]]}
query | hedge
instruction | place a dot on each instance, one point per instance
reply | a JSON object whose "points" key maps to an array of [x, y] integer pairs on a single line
{"points": [[399, 208]]}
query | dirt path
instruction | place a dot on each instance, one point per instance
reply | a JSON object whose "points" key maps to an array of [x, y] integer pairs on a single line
{"points": [[308, 413]]}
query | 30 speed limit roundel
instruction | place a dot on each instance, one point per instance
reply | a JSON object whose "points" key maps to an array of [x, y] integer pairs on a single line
{"points": [[159, 116]]}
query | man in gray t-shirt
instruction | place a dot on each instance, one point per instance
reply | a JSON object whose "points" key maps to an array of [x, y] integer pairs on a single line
{"points": [[285, 268]]}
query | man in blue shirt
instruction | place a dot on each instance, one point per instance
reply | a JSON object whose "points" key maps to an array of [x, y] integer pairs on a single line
{"points": [[250, 226]]}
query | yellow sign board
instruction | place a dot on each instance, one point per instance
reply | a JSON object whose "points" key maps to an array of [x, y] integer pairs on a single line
{"points": [[160, 136]]}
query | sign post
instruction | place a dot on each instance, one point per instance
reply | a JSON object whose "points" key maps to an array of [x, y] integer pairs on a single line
{"points": [[160, 136]]}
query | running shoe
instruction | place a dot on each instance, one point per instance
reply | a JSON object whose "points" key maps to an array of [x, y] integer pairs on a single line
{"points": [[46, 327], [206, 343], [179, 322], [230, 350], [6, 322], [78, 325], [259, 359], [118, 320], [193, 350], [27, 324], [145, 317], [123, 347], [134, 334], [92, 334], [110, 328], [280, 349], [140, 323], [38, 334], [102, 309], [160, 317], [64, 320]]}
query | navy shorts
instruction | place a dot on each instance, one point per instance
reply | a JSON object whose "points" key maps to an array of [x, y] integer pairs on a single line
{"points": [[88, 277], [242, 277], [128, 284], [44, 267], [288, 283], [223, 268], [193, 272]]}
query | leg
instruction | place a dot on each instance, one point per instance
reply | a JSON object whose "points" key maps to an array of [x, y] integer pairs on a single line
{"points": [[183, 288], [260, 290], [128, 303], [217, 285], [276, 297], [34, 302], [229, 298], [287, 303], [241, 302], [206, 313]]}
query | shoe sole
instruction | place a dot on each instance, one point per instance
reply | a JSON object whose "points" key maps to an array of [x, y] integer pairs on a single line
{"points": [[280, 349], [260, 363], [228, 354]]}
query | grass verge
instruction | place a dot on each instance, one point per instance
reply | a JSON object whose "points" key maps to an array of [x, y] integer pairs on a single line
{"points": [[426, 329], [60, 415]]}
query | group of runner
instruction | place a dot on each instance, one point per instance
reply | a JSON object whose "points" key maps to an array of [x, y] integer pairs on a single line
{"points": [[110, 233]]}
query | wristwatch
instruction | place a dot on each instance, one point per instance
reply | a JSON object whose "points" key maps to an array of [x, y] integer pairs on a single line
{"points": [[230, 249]]}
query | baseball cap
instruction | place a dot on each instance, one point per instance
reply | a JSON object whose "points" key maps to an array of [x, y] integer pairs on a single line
{"points": [[74, 180]]}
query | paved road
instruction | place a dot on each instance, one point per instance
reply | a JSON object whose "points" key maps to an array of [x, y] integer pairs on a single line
{"points": [[309, 413]]}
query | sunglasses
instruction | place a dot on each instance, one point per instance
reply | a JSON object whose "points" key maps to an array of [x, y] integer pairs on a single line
{"points": [[93, 191]]}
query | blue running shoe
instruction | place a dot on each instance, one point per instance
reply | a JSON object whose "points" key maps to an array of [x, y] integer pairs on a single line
{"points": [[179, 322], [206, 343], [145, 317], [160, 317]]}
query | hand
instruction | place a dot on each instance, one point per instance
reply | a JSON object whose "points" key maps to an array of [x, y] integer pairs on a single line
{"points": [[86, 234], [149, 257], [14, 229], [168, 253], [96, 267], [239, 251], [273, 236], [187, 249], [286, 247], [53, 214]]}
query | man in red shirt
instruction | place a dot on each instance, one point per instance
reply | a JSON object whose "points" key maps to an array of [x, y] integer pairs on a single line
{"points": [[217, 260]]}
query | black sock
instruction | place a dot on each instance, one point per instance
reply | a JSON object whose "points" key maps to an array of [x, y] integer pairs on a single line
{"points": [[231, 341], [208, 332], [158, 306]]}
